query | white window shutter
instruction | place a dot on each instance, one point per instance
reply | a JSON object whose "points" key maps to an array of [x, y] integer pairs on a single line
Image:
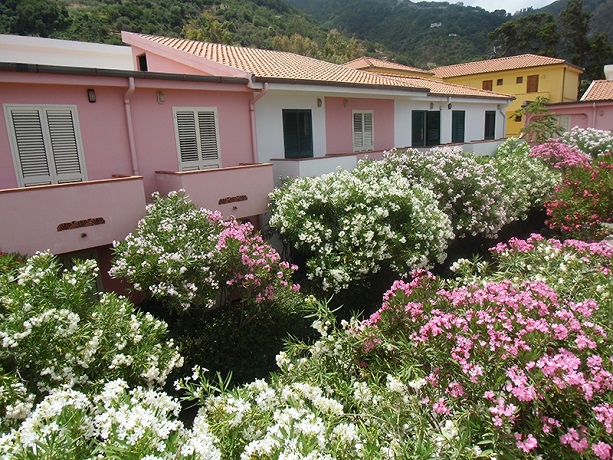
{"points": [[64, 145], [363, 136], [45, 144], [197, 139]]}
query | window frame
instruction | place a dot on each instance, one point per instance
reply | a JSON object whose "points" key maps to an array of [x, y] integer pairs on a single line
{"points": [[54, 143], [202, 163], [363, 145]]}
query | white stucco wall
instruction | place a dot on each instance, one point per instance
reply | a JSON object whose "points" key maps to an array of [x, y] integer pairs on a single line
{"points": [[48, 51], [269, 122]]}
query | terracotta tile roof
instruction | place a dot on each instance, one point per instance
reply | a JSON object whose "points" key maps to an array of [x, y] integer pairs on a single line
{"points": [[365, 62], [451, 89], [278, 65], [497, 65], [599, 90]]}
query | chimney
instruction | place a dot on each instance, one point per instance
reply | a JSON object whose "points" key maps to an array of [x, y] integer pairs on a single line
{"points": [[608, 72]]}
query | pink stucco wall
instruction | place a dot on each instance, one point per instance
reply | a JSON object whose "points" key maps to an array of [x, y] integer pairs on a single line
{"points": [[597, 115], [339, 123], [156, 63], [103, 124]]}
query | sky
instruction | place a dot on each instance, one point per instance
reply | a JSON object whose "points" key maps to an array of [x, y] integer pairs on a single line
{"points": [[511, 6]]}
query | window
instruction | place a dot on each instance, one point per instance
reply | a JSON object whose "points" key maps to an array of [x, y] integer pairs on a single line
{"points": [[46, 144], [499, 82], [533, 84], [490, 124], [519, 80], [298, 133], [518, 118], [426, 128], [197, 138], [458, 119], [363, 136], [142, 62], [564, 122], [487, 84]]}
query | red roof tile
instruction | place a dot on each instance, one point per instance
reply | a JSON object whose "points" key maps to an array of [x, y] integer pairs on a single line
{"points": [[497, 65], [365, 62], [599, 90]]}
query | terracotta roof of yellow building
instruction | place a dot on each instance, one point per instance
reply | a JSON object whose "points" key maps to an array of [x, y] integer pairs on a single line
{"points": [[498, 65], [281, 66], [365, 62], [599, 90]]}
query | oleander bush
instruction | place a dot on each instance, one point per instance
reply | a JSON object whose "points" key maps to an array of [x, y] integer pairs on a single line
{"points": [[592, 141], [350, 226], [189, 257], [466, 189]]}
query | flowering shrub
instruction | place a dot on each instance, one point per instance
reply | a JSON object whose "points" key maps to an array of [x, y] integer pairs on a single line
{"points": [[575, 269], [529, 372], [351, 225], [559, 155], [526, 180], [55, 331], [188, 256], [592, 141], [584, 201], [466, 190], [116, 423]]}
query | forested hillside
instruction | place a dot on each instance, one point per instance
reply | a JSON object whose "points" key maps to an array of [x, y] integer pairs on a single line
{"points": [[422, 34]]}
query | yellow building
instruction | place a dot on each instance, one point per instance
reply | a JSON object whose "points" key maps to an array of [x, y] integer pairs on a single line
{"points": [[526, 77]]}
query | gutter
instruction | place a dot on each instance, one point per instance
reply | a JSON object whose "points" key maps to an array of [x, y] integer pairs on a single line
{"points": [[254, 140], [130, 126]]}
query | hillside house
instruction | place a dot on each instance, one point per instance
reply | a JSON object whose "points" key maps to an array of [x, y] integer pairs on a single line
{"points": [[525, 77]]}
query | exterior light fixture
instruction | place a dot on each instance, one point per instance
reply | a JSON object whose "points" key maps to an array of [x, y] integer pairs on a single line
{"points": [[160, 97], [91, 95], [449, 106], [319, 102]]}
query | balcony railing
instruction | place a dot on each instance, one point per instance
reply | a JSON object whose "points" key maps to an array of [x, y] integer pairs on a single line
{"points": [[70, 217], [239, 191]]}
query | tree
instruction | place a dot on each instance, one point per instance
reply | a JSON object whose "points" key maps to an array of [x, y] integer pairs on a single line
{"points": [[535, 34], [39, 17], [208, 29], [540, 124], [575, 26], [296, 44], [601, 54]]}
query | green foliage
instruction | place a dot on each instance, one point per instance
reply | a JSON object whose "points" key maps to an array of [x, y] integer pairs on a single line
{"points": [[57, 331], [575, 26], [535, 34], [540, 124]]}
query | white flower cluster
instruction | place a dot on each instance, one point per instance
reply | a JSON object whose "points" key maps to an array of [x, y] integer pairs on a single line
{"points": [[116, 423], [466, 189], [592, 141], [57, 333], [354, 224], [527, 181]]}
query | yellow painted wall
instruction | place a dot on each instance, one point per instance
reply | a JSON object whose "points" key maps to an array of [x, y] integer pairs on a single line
{"points": [[558, 83]]}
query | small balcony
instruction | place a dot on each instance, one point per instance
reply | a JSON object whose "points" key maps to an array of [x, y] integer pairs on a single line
{"points": [[239, 191], [70, 217]]}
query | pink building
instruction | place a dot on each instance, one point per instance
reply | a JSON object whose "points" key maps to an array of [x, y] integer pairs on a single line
{"points": [[594, 110], [86, 138]]}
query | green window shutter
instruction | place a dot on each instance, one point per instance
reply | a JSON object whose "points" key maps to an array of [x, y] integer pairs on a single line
{"points": [[490, 125], [297, 133], [458, 123]]}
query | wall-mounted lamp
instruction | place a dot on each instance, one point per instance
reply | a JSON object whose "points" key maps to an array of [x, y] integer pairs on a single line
{"points": [[345, 102], [319, 102], [91, 95], [431, 105], [449, 106], [160, 97]]}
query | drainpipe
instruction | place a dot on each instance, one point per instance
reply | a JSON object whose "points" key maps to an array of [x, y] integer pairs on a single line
{"points": [[594, 115], [254, 141], [128, 107]]}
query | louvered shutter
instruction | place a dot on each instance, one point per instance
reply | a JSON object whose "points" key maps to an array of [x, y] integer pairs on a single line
{"points": [[64, 145], [197, 139], [363, 138], [458, 121], [46, 145]]}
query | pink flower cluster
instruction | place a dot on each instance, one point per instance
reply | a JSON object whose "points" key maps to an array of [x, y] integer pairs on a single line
{"points": [[535, 358], [560, 155], [258, 269]]}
